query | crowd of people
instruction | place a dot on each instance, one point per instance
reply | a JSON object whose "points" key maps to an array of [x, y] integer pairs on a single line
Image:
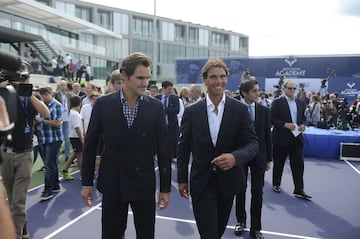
{"points": [[119, 134], [58, 65]]}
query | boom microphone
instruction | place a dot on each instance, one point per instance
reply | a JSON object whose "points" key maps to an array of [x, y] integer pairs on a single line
{"points": [[8, 61]]}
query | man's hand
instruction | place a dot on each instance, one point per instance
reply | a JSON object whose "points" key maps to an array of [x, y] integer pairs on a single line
{"points": [[183, 190], [163, 201], [224, 161], [87, 195]]}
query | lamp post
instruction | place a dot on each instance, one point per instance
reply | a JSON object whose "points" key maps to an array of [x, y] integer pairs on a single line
{"points": [[154, 75]]}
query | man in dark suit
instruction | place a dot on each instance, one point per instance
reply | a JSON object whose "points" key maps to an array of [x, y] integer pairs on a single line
{"points": [[171, 107], [217, 130], [131, 123], [260, 116], [288, 119]]}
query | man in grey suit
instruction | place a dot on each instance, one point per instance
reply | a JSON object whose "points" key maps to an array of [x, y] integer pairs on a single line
{"points": [[217, 130], [133, 128]]}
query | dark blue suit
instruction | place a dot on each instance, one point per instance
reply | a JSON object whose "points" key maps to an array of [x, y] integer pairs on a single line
{"points": [[258, 167], [126, 173], [212, 191], [171, 111]]}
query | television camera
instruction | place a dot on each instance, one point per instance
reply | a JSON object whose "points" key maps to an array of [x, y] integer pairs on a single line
{"points": [[277, 92], [10, 71]]}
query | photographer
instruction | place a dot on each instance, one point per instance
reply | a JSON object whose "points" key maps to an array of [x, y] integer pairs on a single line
{"points": [[7, 229], [18, 153]]}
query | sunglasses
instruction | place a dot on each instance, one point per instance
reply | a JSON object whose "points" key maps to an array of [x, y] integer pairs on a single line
{"points": [[291, 88]]}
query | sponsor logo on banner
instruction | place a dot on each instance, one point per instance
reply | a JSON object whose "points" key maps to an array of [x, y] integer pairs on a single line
{"points": [[290, 71], [351, 91]]}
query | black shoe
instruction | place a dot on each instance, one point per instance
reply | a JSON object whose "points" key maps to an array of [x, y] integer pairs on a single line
{"points": [[301, 194], [239, 228], [276, 189], [256, 235], [46, 196], [56, 190]]}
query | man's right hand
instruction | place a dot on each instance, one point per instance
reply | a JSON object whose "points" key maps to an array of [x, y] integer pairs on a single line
{"points": [[87, 195], [183, 190]]}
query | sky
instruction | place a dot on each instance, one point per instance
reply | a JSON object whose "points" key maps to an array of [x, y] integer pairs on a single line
{"points": [[274, 27]]}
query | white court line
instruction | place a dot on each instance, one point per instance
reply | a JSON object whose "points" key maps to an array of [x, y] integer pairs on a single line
{"points": [[98, 207], [352, 166], [73, 221], [42, 185]]}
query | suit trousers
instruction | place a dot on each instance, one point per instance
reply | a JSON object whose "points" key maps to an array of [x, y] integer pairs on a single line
{"points": [[115, 213], [295, 151], [212, 210], [257, 184]]}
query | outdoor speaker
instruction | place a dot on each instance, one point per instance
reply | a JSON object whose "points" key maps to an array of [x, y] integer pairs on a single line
{"points": [[350, 151]]}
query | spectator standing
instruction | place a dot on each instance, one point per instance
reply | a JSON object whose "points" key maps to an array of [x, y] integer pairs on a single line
{"points": [[88, 72], [313, 111], [170, 102], [76, 135], [54, 66], [63, 97], [288, 119], [71, 70], [51, 140], [77, 90], [218, 132]]}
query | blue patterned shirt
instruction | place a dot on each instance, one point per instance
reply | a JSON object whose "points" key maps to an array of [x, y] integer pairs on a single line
{"points": [[52, 134]]}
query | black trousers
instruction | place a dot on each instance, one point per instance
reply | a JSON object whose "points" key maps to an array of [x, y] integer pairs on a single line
{"points": [[212, 210], [115, 213], [257, 184], [295, 151]]}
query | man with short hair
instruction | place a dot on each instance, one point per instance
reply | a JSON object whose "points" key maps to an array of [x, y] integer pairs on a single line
{"points": [[51, 139], [289, 121], [18, 154], [131, 124], [195, 93], [260, 115], [218, 132], [171, 105]]}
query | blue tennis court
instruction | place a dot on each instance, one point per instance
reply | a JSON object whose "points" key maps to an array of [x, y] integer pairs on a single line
{"points": [[333, 213]]}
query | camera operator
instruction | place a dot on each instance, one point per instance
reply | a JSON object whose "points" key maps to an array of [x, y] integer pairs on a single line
{"points": [[18, 152], [7, 229]]}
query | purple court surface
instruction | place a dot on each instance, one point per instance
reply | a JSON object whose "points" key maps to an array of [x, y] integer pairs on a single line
{"points": [[333, 212]]}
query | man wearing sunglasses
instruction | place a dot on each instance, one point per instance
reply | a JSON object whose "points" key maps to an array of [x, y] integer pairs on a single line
{"points": [[288, 119]]}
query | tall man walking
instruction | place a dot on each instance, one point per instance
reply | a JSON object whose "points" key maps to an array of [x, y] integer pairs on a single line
{"points": [[131, 124], [217, 130]]}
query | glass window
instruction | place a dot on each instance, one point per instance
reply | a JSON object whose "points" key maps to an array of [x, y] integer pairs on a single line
{"points": [[169, 52], [180, 33], [83, 13], [219, 40], [143, 27], [121, 23], [146, 47], [105, 19], [194, 35]]}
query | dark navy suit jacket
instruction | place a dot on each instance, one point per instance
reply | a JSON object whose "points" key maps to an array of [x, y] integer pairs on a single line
{"points": [[236, 135], [127, 161]]}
